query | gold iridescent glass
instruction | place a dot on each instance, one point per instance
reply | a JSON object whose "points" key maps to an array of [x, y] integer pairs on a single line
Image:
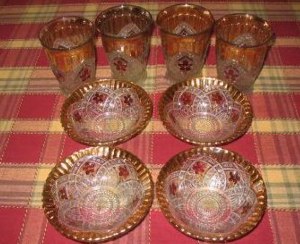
{"points": [[106, 112], [242, 43], [97, 194], [205, 111], [70, 48], [185, 31], [125, 33], [211, 194]]}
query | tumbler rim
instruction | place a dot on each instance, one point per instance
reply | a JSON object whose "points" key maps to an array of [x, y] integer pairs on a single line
{"points": [[63, 18], [187, 5], [101, 15], [269, 40]]}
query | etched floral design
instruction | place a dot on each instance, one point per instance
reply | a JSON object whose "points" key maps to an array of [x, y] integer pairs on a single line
{"points": [[63, 193], [231, 73], [173, 189], [217, 98], [120, 64], [234, 177], [199, 168], [245, 209], [128, 100], [187, 98], [235, 115], [89, 168], [185, 64], [123, 172], [99, 98], [77, 116], [85, 74]]}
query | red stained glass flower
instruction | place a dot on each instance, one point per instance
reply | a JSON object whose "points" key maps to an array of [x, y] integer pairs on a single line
{"points": [[199, 167], [185, 63], [187, 98], [89, 168], [63, 193], [99, 98], [245, 209], [128, 100], [77, 116], [235, 115], [121, 64], [85, 74], [234, 177], [217, 98], [173, 189], [231, 74], [123, 172]]}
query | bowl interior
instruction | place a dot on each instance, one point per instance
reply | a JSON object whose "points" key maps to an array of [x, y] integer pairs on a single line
{"points": [[106, 112], [97, 193], [211, 193], [205, 111]]}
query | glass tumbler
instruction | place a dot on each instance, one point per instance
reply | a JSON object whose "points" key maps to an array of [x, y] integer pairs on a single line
{"points": [[70, 48], [185, 31], [242, 43], [125, 32]]}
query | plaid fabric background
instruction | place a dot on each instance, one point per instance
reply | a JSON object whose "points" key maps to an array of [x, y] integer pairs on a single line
{"points": [[32, 139]]}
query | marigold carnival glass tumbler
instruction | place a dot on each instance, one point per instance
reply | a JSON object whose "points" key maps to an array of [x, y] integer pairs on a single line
{"points": [[125, 32], [242, 43], [185, 31], [70, 48]]}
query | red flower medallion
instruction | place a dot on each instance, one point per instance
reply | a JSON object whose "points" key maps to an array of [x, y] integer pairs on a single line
{"points": [[185, 63], [123, 172], [217, 98], [89, 168], [173, 189], [120, 64], [231, 74], [199, 167], [187, 98]]}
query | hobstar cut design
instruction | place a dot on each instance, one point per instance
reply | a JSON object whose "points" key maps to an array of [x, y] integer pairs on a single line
{"points": [[208, 114], [97, 194], [210, 196], [105, 113]]}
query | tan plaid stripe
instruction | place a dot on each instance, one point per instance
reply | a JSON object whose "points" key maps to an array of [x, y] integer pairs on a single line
{"points": [[283, 186], [155, 126], [41, 79]]}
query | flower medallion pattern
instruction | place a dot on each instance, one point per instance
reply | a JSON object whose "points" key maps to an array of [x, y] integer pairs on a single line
{"points": [[219, 201], [98, 193], [83, 72], [106, 114], [208, 114], [128, 65], [184, 65]]}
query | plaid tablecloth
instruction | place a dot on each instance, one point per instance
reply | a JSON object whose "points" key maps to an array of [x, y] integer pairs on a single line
{"points": [[32, 140]]}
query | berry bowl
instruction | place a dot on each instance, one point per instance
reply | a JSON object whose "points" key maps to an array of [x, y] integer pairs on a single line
{"points": [[106, 112], [211, 194], [205, 111], [97, 194]]}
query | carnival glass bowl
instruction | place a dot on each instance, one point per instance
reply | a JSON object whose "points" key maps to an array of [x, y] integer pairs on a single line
{"points": [[205, 111], [97, 194], [211, 194], [106, 112]]}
